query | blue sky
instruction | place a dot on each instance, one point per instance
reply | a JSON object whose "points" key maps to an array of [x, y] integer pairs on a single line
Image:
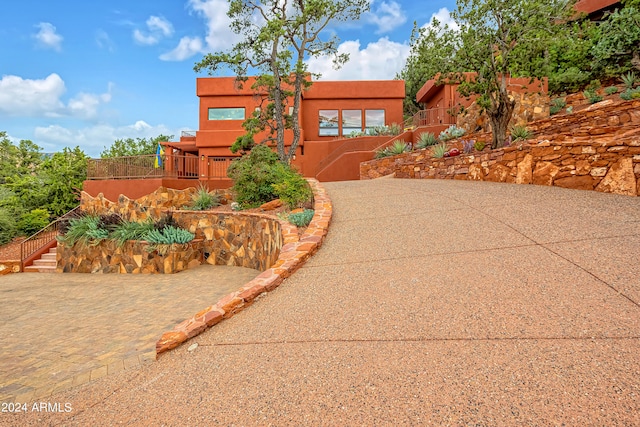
{"points": [[86, 73]]}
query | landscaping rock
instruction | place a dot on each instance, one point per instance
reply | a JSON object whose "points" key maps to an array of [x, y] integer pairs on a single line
{"points": [[269, 206]]}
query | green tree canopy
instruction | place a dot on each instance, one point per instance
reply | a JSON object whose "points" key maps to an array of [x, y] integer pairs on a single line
{"points": [[277, 36], [134, 147]]}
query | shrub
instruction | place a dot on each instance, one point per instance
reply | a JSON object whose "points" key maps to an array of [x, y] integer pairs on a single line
{"points": [[426, 139], [467, 146], [293, 190], [34, 221], [110, 222], [452, 132], [301, 219], [168, 236], [630, 94], [398, 147], [394, 129], [166, 220], [439, 150], [383, 152], [8, 227], [254, 174], [611, 90], [557, 105], [131, 230], [592, 96], [479, 145], [204, 199], [84, 230], [520, 133], [629, 80]]}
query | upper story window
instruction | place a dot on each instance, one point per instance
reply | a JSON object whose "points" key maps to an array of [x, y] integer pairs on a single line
{"points": [[236, 113], [328, 122], [373, 118], [351, 121]]}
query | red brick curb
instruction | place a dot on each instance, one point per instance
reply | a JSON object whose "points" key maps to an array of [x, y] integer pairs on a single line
{"points": [[293, 254]]}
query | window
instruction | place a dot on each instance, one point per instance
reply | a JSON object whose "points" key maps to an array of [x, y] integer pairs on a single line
{"points": [[351, 121], [373, 118], [226, 113], [328, 122]]}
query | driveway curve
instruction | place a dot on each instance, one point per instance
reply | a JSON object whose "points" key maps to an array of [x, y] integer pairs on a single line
{"points": [[430, 303]]}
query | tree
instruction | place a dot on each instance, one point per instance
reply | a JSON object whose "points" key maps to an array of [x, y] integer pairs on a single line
{"points": [[277, 36], [618, 48], [64, 174], [493, 38], [134, 147]]}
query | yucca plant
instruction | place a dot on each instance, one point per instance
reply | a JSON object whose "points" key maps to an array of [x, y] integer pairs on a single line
{"points": [[520, 133], [426, 139], [439, 150], [398, 147], [131, 230], [379, 154], [629, 80], [204, 199]]}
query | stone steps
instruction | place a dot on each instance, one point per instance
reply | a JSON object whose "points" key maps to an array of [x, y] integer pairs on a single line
{"points": [[46, 264]]}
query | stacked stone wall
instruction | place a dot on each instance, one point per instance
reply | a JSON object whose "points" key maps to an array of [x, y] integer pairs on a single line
{"points": [[597, 149]]}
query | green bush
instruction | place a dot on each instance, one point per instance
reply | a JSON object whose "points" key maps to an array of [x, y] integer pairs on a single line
{"points": [[253, 176], [426, 139], [84, 230], [479, 145], [8, 229], [293, 189], [630, 94], [611, 90], [301, 219], [452, 132], [592, 96], [557, 105], [34, 221]]}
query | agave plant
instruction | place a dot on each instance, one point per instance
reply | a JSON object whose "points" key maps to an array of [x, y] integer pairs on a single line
{"points": [[629, 79], [426, 139], [452, 132], [520, 133], [439, 150], [398, 147], [204, 199]]}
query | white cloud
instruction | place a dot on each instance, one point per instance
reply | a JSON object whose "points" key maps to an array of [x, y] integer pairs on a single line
{"points": [[47, 36], [157, 28], [104, 41], [42, 98], [186, 48], [379, 60], [94, 139], [387, 16], [444, 17], [219, 36]]}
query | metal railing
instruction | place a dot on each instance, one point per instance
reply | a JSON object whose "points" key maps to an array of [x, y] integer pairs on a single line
{"points": [[368, 143], [188, 134], [37, 241], [432, 116]]}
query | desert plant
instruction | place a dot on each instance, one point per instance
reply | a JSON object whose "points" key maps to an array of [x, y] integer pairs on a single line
{"points": [[467, 146], [611, 90], [384, 130], [380, 153], [452, 132], [479, 145], [426, 139], [557, 105], [301, 219], [398, 147], [165, 220], [293, 190], [203, 199], [395, 129], [592, 96], [569, 109], [629, 79], [439, 150], [109, 221], [169, 235], [33, 221], [520, 133], [131, 230], [630, 94], [84, 230]]}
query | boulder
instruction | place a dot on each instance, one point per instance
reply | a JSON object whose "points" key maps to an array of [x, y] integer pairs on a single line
{"points": [[620, 179], [269, 206]]}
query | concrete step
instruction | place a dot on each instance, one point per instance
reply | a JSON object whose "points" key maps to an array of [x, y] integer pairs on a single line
{"points": [[44, 263], [40, 269], [49, 257]]}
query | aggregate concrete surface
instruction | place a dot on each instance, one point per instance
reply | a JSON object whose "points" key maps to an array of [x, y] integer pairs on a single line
{"points": [[430, 303]]}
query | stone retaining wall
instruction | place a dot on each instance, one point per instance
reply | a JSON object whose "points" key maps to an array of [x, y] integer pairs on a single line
{"points": [[591, 150], [133, 257]]}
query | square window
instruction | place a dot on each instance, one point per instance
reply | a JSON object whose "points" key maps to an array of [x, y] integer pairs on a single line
{"points": [[328, 122], [351, 121], [373, 118]]}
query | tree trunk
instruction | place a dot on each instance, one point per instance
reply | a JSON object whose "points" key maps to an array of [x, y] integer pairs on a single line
{"points": [[499, 116]]}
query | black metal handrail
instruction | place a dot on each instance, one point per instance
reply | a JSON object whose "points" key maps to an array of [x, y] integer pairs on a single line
{"points": [[37, 241]]}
